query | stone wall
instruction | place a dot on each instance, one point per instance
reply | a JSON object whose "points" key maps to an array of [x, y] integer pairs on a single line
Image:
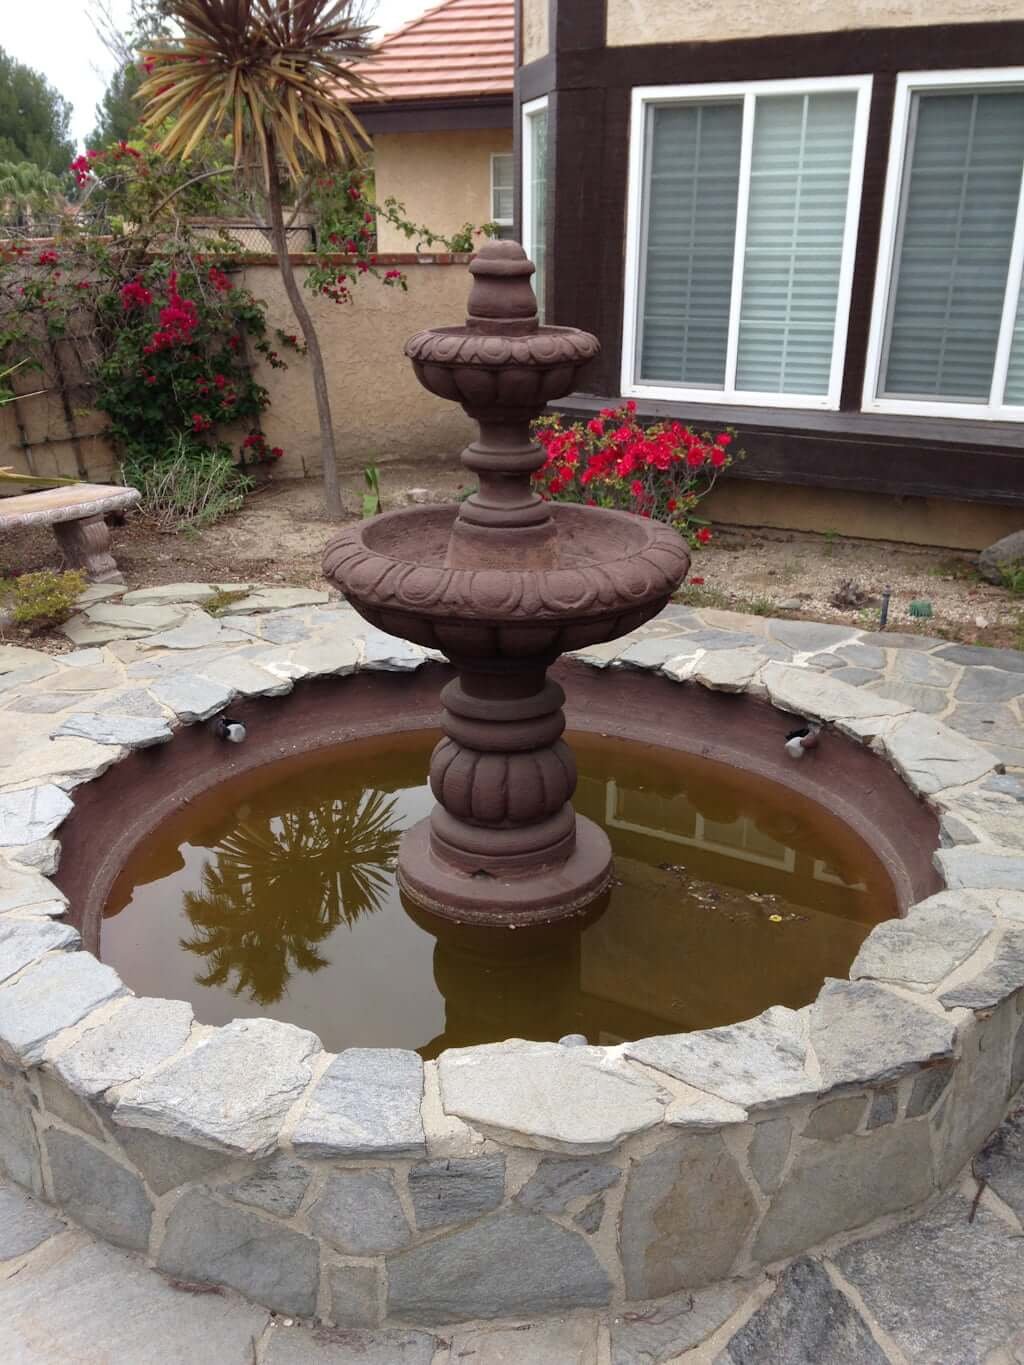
{"points": [[667, 21], [517, 1178], [381, 413]]}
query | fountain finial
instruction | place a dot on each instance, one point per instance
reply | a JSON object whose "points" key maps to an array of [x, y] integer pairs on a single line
{"points": [[502, 300]]}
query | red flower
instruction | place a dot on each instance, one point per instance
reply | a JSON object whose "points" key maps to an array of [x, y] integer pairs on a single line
{"points": [[723, 440], [276, 452], [134, 294], [703, 536], [200, 423], [696, 582], [220, 281], [636, 488], [219, 380], [47, 258], [393, 275], [630, 405], [596, 426], [671, 505], [718, 457]]}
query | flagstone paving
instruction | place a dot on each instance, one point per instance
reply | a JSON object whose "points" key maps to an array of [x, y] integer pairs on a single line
{"points": [[944, 1288]]}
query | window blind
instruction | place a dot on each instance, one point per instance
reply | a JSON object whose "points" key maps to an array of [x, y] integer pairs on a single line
{"points": [[693, 167], [1015, 373], [795, 230], [502, 174], [961, 185]]}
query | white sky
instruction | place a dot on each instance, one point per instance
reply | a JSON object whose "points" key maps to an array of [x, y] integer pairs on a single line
{"points": [[56, 38]]}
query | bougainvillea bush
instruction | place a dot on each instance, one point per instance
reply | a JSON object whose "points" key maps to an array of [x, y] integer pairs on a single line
{"points": [[660, 471]]}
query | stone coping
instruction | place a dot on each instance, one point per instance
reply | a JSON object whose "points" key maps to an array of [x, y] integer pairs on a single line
{"points": [[366, 1187], [70, 502]]}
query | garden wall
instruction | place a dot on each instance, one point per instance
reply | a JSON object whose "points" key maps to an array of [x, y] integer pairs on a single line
{"points": [[381, 413]]}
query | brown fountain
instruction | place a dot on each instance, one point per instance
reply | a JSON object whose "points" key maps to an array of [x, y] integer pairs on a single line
{"points": [[504, 583]]}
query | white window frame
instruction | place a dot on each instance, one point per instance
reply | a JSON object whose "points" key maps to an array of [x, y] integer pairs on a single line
{"points": [[644, 97], [532, 107], [501, 222], [907, 84]]}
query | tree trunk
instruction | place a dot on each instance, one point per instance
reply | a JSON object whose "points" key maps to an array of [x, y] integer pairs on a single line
{"points": [[329, 457]]}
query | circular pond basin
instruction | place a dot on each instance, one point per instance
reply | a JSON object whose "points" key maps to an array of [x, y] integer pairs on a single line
{"points": [[274, 893]]}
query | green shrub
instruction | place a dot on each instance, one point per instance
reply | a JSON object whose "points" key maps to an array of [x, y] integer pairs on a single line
{"points": [[191, 487], [1012, 574], [42, 599]]}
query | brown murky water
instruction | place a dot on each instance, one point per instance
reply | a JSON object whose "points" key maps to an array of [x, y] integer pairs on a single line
{"points": [[275, 894]]}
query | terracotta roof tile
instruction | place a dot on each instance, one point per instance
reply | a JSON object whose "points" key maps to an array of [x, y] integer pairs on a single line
{"points": [[458, 48]]}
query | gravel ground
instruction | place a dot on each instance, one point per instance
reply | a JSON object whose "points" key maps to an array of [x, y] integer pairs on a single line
{"points": [[278, 538]]}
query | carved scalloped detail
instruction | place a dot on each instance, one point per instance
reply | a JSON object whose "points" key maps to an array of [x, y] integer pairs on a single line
{"points": [[501, 595], [546, 347], [497, 788]]}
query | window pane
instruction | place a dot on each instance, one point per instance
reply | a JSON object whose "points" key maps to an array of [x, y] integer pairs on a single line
{"points": [[691, 185], [501, 187], [537, 227], [1015, 374], [799, 187], [957, 217]]}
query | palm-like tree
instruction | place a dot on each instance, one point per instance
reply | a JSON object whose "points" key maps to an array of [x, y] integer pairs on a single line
{"points": [[279, 885], [274, 74]]}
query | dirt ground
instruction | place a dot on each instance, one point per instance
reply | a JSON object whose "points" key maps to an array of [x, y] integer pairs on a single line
{"points": [[279, 537]]}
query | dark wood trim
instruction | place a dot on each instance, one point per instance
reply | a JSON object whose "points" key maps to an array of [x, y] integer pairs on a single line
{"points": [[859, 452], [576, 25], [937, 47], [432, 116], [536, 79], [869, 227]]}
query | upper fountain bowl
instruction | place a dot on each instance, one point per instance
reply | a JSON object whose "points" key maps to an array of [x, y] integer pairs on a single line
{"points": [[501, 359]]}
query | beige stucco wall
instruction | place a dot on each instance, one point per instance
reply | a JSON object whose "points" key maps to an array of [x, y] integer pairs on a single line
{"points": [[443, 179], [666, 21], [912, 521], [381, 413], [535, 29]]}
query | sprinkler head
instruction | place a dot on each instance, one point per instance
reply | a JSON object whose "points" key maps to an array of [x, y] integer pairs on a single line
{"points": [[231, 730]]}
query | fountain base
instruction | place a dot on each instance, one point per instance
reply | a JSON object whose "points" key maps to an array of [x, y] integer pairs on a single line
{"points": [[543, 895]]}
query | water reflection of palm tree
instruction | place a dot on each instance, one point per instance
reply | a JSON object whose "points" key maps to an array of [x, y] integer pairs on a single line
{"points": [[281, 883]]}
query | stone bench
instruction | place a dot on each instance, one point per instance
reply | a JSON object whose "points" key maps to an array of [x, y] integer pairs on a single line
{"points": [[76, 513]]}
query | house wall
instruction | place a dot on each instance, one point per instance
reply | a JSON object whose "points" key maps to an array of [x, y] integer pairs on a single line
{"points": [[631, 22], [381, 413], [535, 37], [442, 178]]}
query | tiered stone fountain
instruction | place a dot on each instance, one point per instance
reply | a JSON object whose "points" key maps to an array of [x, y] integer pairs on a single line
{"points": [[503, 584]]}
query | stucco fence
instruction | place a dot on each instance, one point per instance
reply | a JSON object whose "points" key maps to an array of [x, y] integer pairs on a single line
{"points": [[516, 1178], [381, 413]]}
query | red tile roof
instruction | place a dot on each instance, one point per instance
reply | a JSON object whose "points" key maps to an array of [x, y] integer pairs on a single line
{"points": [[457, 49]]}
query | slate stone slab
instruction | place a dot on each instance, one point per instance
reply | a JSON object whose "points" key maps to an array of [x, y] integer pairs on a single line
{"points": [[882, 1171], [686, 1214], [971, 868], [466, 1274], [909, 1279], [98, 1192], [355, 1292], [136, 1039], [1011, 660], [809, 636], [167, 1162], [134, 701], [652, 653], [1003, 975], [138, 617], [862, 1032], [930, 756], [329, 1346], [318, 658], [572, 1341], [589, 1217], [25, 940], [557, 1182], [135, 732], [924, 947], [208, 1242], [367, 1103], [190, 696], [554, 1097], [246, 679], [197, 631], [456, 1189], [759, 1061], [836, 1118], [24, 1223], [807, 1321], [32, 813], [768, 1150], [727, 670], [359, 1212], [863, 656], [51, 996], [43, 855], [62, 762], [989, 685], [39, 667], [911, 666], [1001, 1163], [389, 653], [19, 1149], [20, 890], [928, 700], [277, 1186], [233, 1090], [658, 1332], [95, 1294], [14, 657], [927, 1090], [171, 592]]}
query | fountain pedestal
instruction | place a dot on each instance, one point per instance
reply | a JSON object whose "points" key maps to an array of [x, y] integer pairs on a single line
{"points": [[502, 584]]}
